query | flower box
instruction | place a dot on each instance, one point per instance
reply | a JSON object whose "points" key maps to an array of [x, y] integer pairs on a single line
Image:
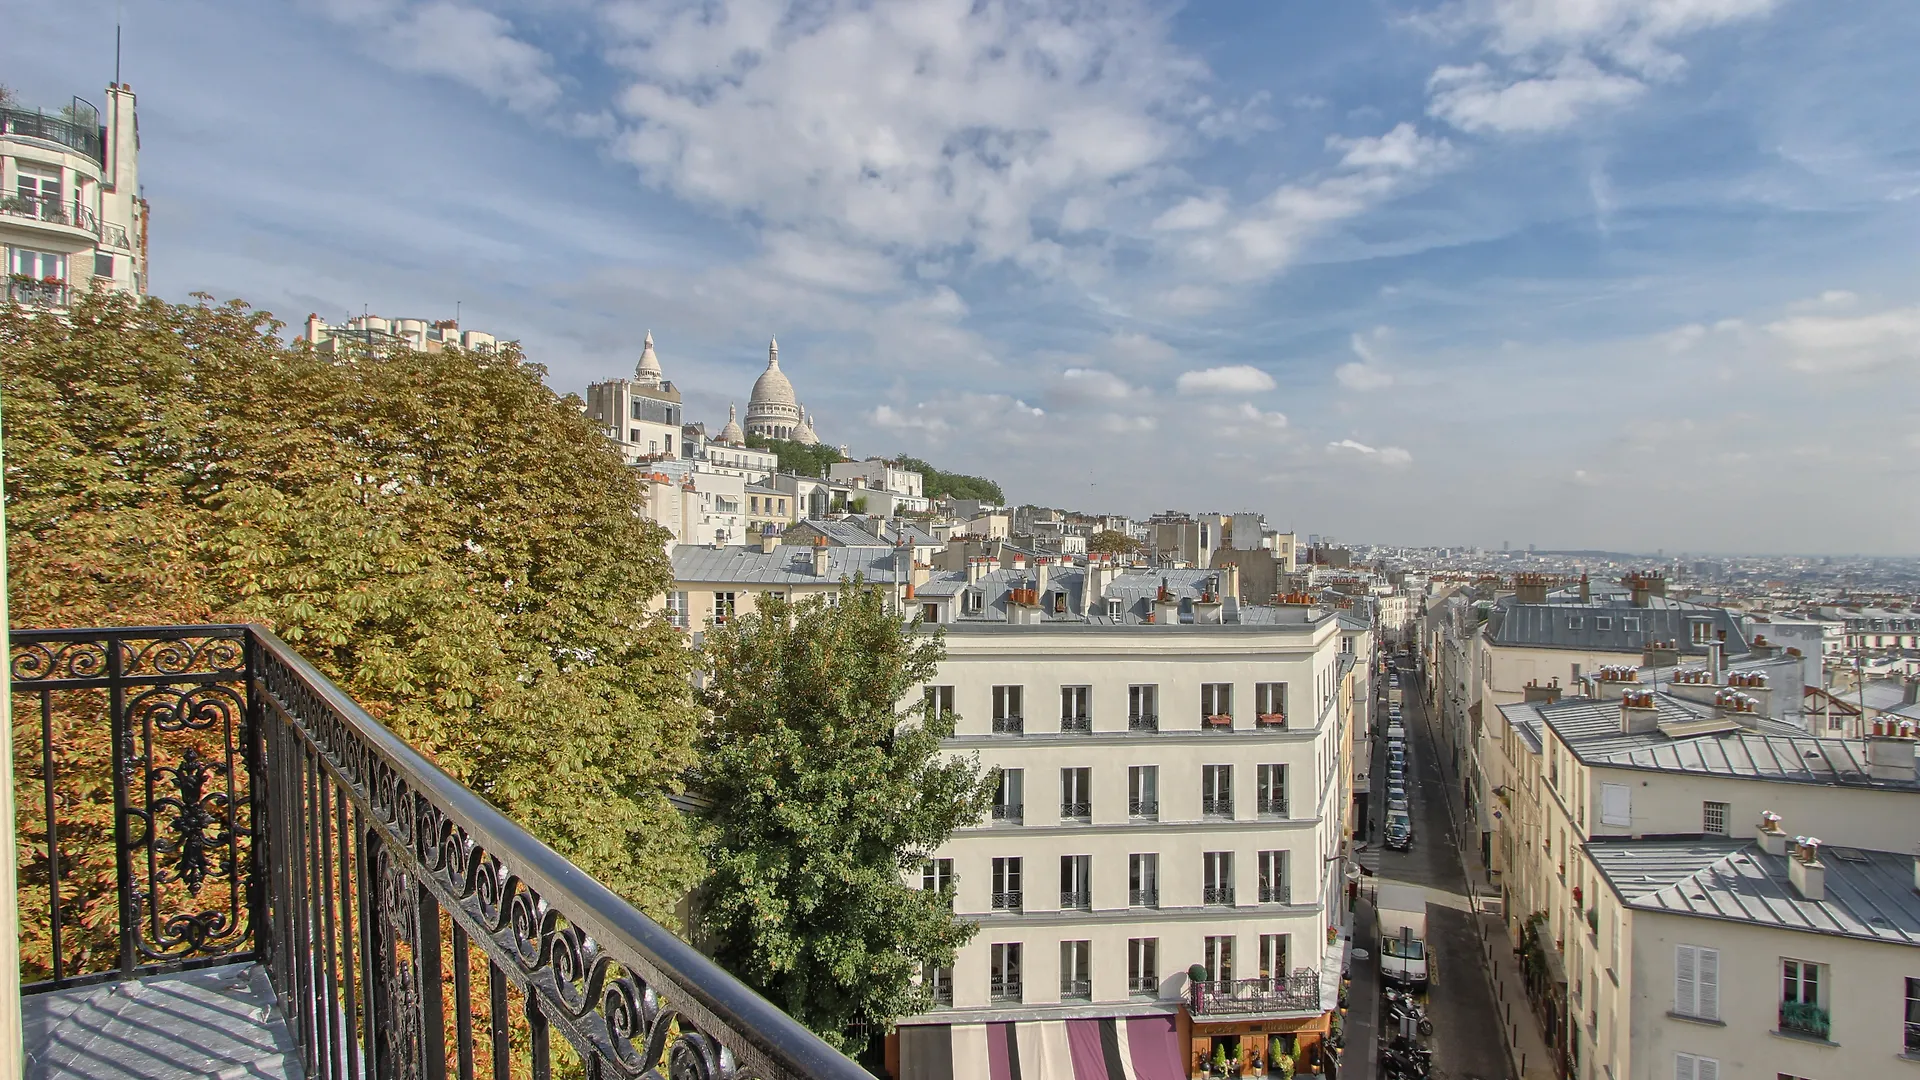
{"points": [[1220, 720], [1272, 719]]}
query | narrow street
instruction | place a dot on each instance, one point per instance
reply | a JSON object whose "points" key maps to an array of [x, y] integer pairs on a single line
{"points": [[1467, 1042]]}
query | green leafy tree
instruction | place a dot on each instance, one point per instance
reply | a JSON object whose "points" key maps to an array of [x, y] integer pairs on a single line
{"points": [[798, 458], [941, 485], [1112, 542], [439, 532], [824, 791]]}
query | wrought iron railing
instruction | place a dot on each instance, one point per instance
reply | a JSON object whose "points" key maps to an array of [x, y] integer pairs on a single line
{"points": [[1913, 1038], [939, 982], [50, 209], [1143, 808], [1007, 900], [1081, 724], [47, 294], [1008, 725], [1012, 812], [1143, 722], [1217, 895], [1276, 894], [1076, 811], [1076, 899], [1271, 807], [206, 796], [1296, 993], [1220, 806], [1148, 898], [1003, 987], [89, 139], [1076, 989]]}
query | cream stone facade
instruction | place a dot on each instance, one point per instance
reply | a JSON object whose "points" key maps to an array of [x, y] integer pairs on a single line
{"points": [[71, 215]]}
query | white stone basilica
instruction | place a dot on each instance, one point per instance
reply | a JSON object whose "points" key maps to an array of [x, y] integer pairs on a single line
{"points": [[773, 411]]}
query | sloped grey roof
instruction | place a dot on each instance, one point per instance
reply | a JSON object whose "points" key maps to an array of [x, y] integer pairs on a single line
{"points": [[1803, 760], [1868, 894], [1550, 626], [1591, 726], [787, 564], [841, 532]]}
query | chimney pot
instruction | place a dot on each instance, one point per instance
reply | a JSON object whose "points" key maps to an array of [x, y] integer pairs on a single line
{"points": [[1772, 839]]}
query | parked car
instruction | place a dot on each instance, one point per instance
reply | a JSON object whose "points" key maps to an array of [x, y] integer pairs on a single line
{"points": [[1399, 830]]}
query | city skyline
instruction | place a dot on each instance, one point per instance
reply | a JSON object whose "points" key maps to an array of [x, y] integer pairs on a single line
{"points": [[1630, 280]]}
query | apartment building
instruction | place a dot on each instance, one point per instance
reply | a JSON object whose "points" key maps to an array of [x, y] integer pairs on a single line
{"points": [[71, 215], [1164, 863], [363, 333], [714, 583], [1593, 781]]}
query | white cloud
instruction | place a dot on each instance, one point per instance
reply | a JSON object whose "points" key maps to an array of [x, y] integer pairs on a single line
{"points": [[1362, 377], [1556, 61], [1193, 213], [820, 261], [1832, 344], [1234, 379], [468, 45], [959, 413], [1389, 456], [1082, 385]]}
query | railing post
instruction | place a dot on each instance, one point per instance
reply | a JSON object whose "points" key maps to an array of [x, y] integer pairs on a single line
{"points": [[12, 1045], [258, 790], [121, 762]]}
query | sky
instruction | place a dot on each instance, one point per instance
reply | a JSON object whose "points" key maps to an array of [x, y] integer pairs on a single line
{"points": [[1623, 274]]}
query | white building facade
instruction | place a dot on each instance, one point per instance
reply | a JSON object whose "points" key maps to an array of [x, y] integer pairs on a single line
{"points": [[71, 215]]}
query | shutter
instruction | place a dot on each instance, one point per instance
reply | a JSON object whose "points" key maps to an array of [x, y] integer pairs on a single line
{"points": [[1706, 1069], [1616, 805], [1685, 994], [1683, 1067], [1709, 975]]}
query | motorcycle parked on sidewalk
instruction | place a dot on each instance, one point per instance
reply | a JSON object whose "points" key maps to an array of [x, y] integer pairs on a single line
{"points": [[1402, 1006]]}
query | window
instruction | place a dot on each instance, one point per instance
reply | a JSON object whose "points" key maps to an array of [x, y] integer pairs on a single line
{"points": [[1216, 791], [102, 265], [1007, 718], [936, 874], [1076, 971], [1629, 624], [1602, 622], [1275, 888], [1007, 895], [972, 601], [1694, 1067], [1913, 1016], [1143, 708], [1009, 799], [939, 701], [1143, 880], [1076, 882], [722, 607], [1216, 703], [677, 609], [1270, 702], [1216, 885], [1143, 966], [1713, 818], [753, 504], [1003, 971], [1700, 631], [1219, 960], [1696, 982], [1143, 791], [1271, 790], [1114, 610], [1575, 622], [38, 264], [1273, 958], [1076, 794], [939, 983], [1074, 712], [1616, 805], [1800, 1004]]}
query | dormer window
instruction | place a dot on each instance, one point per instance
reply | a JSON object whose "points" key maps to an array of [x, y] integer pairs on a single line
{"points": [[1059, 603], [1602, 622], [1575, 622], [972, 602], [1114, 609]]}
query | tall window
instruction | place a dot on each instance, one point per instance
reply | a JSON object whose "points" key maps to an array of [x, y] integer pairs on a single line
{"points": [[1913, 1016], [1003, 971], [722, 607], [1273, 958], [677, 609], [939, 983], [1143, 966], [1274, 885], [1216, 791], [1009, 799], [1074, 712], [1143, 880], [1219, 961], [936, 875], [1696, 982], [1270, 702], [1076, 882], [1272, 791], [972, 601], [1076, 970], [1143, 707], [1216, 701], [1143, 791], [1713, 818], [939, 701], [1007, 895], [1800, 998], [1007, 718], [1076, 794], [1216, 885], [1695, 1067]]}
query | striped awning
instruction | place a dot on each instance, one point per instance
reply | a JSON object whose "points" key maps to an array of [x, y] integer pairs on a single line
{"points": [[1107, 1048]]}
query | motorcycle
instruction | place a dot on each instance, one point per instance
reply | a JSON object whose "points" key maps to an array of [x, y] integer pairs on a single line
{"points": [[1402, 1006]]}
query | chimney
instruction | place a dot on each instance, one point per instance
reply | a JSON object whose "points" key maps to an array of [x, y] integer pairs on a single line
{"points": [[1043, 573], [313, 327], [769, 539], [1660, 654], [1763, 648], [1530, 588], [819, 556], [1545, 695], [1233, 589], [976, 568], [1890, 756], [1910, 693], [1717, 661], [1770, 836], [1805, 871], [1916, 872], [1638, 713], [1586, 590], [1642, 588], [1613, 681]]}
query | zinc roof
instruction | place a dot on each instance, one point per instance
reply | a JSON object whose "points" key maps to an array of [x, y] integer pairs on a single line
{"points": [[787, 564]]}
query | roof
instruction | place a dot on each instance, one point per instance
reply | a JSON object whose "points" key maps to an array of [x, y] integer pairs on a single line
{"points": [[1552, 626], [836, 531], [1868, 894], [787, 564]]}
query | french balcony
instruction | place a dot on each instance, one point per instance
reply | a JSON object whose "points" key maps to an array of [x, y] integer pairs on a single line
{"points": [[1143, 809], [1271, 809], [1009, 725], [1009, 813], [225, 861], [1218, 808], [66, 225], [1076, 989], [1076, 900], [1143, 722], [1008, 900], [1004, 987], [1217, 896], [1076, 811], [1276, 894], [29, 292], [1143, 898], [1297, 994], [1081, 724]]}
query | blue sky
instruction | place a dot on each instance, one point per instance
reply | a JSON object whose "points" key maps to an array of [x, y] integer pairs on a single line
{"points": [[1580, 273]]}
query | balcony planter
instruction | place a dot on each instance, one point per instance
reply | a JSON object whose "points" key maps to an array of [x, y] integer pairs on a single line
{"points": [[1805, 1018], [1272, 719], [1219, 720]]}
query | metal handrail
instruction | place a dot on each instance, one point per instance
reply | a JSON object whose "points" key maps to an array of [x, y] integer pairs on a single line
{"points": [[1080, 722], [1008, 900], [1014, 812], [1143, 722], [39, 293], [1076, 899], [1217, 894], [1076, 811], [88, 139], [337, 911], [1298, 992], [1009, 725], [1143, 808], [1220, 806], [1147, 898]]}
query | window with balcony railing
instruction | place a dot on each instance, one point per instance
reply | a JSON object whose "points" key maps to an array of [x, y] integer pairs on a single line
{"points": [[1076, 794], [1076, 714], [1076, 971], [1007, 717], [939, 983], [1143, 966], [1143, 791], [1076, 882], [1216, 791], [1143, 880], [1009, 798], [1270, 793], [1801, 993], [1143, 707], [1216, 885], [1275, 888], [1216, 707], [1006, 893], [1003, 971]]}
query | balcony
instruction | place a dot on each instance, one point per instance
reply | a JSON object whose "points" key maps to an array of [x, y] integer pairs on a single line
{"points": [[87, 139], [1805, 1018], [1217, 896], [1271, 809], [1076, 989], [1276, 894], [940, 986], [1216, 806], [1219, 723], [296, 891], [1009, 813], [1144, 809], [1076, 725], [27, 292], [1298, 993], [1143, 898], [1009, 725], [1076, 900], [1270, 721], [1004, 987], [1076, 811], [1008, 900], [1143, 722]]}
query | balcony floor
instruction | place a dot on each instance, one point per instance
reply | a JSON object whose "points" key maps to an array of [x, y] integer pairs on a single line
{"points": [[215, 1022]]}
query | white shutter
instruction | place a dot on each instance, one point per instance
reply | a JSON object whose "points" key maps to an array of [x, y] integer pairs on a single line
{"points": [[1683, 1067], [1685, 992], [1706, 1069], [1709, 975], [1616, 805]]}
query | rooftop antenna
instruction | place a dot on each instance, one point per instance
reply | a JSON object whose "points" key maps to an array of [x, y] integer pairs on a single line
{"points": [[119, 12]]}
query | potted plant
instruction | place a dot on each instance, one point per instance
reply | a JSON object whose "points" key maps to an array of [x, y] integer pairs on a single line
{"points": [[1220, 1060], [1220, 719], [1280, 1064]]}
